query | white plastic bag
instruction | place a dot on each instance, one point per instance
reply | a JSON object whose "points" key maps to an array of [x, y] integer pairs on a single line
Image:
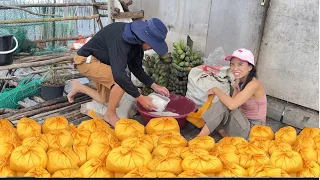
{"points": [[125, 109]]}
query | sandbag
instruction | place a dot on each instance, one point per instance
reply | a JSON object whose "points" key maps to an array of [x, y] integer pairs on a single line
{"points": [[224, 148], [124, 160], [38, 172], [232, 170], [172, 139], [248, 160], [7, 147], [264, 171], [5, 170], [310, 169], [59, 138], [103, 135], [39, 140], [317, 142], [95, 168], [100, 150], [20, 174], [61, 158], [156, 135], [80, 135], [125, 128], [140, 140], [167, 150], [119, 175], [202, 142], [24, 158], [289, 161], [67, 173], [203, 164], [262, 143], [193, 150], [140, 172], [81, 152], [286, 134], [226, 157], [191, 174], [55, 123], [305, 142], [165, 175], [27, 127], [94, 124], [306, 153], [232, 140], [8, 134], [162, 124], [279, 145], [318, 154], [5, 123], [249, 148], [261, 131], [166, 164], [310, 132]]}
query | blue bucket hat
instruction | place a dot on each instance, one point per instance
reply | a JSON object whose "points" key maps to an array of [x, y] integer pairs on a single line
{"points": [[153, 32]]}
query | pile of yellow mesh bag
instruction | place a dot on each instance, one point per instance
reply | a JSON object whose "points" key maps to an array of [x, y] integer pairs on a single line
{"points": [[131, 150]]}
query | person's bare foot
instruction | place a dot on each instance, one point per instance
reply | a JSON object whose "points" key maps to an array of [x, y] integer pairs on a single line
{"points": [[223, 133], [112, 119], [74, 90]]}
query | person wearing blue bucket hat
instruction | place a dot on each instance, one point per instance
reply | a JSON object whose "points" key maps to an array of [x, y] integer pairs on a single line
{"points": [[106, 56]]}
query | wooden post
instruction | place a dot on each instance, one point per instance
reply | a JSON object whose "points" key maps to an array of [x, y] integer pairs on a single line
{"points": [[126, 15], [95, 11], [110, 8]]}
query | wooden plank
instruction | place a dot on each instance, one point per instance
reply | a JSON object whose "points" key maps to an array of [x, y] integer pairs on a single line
{"points": [[128, 15]]}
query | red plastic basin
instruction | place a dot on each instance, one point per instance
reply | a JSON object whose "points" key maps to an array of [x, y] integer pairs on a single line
{"points": [[178, 104]]}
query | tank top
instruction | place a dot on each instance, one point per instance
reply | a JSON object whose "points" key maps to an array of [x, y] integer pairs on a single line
{"points": [[255, 109]]}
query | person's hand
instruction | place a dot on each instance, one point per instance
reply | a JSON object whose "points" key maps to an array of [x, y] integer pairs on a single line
{"points": [[145, 101], [160, 89], [211, 92]]}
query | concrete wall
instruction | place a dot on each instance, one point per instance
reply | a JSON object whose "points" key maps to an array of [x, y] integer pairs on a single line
{"points": [[283, 38], [182, 17], [288, 62], [235, 24]]}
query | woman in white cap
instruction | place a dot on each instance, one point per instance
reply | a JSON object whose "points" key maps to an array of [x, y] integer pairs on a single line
{"points": [[106, 56], [248, 104]]}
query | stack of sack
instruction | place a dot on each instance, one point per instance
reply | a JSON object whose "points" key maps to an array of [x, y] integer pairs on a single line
{"points": [[94, 149]]}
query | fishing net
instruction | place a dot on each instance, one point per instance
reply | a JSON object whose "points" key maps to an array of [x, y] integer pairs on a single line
{"points": [[27, 87], [29, 35]]}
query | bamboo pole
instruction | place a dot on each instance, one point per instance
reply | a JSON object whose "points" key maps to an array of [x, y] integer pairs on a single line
{"points": [[26, 10], [33, 72], [60, 5], [62, 39], [16, 21], [36, 64], [16, 117]]}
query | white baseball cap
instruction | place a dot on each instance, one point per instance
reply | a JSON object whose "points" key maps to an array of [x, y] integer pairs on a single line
{"points": [[243, 55]]}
